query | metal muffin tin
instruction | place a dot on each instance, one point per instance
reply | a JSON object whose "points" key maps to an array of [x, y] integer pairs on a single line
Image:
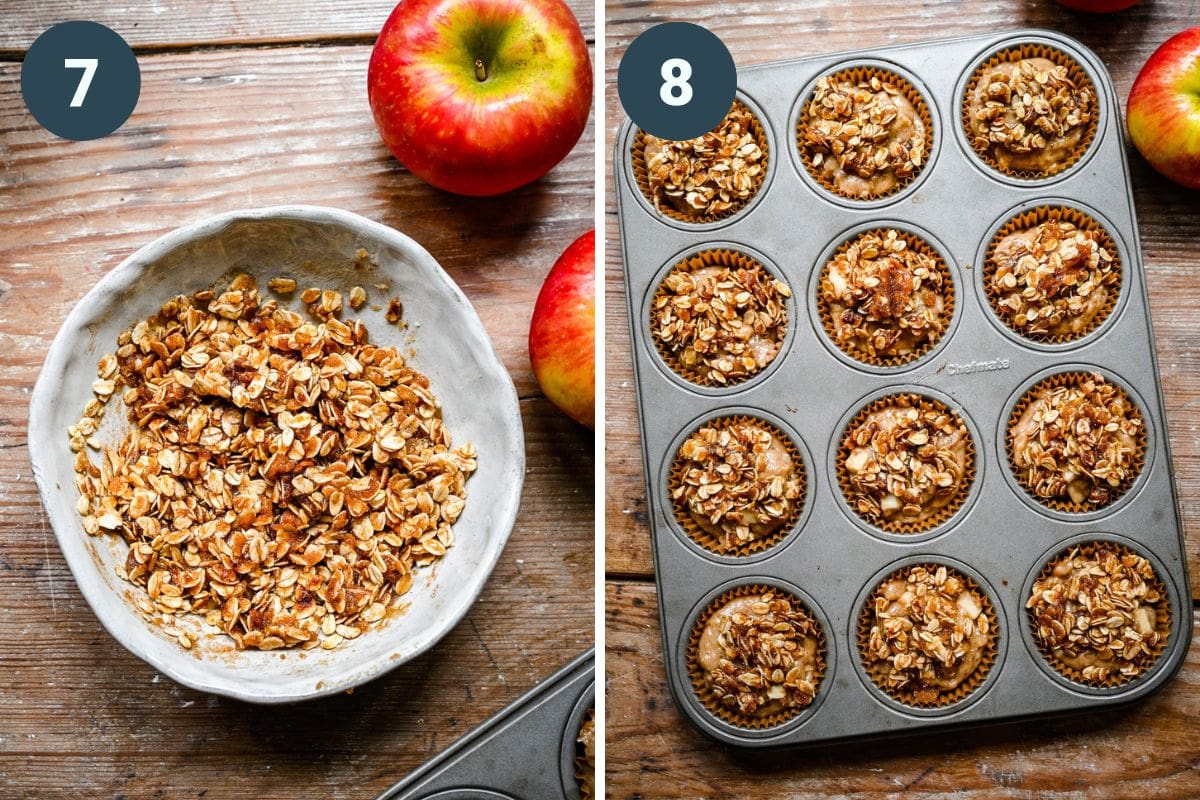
{"points": [[1000, 536], [525, 752]]}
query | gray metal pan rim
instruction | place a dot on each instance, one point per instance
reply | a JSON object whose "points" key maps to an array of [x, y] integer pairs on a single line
{"points": [[467, 793], [647, 336], [1127, 276], [973, 492], [570, 740], [882, 697], [1086, 60], [719, 728], [863, 205], [667, 505], [1159, 671], [625, 140], [814, 283], [1150, 423]]}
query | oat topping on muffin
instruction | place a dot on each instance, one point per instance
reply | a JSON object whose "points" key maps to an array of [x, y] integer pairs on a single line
{"points": [[723, 324], [737, 481], [1053, 280], [929, 632], [886, 300], [1096, 610], [1077, 442], [865, 138], [906, 462], [1030, 114], [711, 174], [760, 655]]}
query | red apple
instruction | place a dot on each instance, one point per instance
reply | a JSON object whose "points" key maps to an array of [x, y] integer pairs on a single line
{"points": [[479, 97], [1163, 114], [562, 335], [1098, 6]]}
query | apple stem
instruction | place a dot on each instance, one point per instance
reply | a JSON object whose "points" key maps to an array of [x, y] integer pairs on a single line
{"points": [[480, 70]]}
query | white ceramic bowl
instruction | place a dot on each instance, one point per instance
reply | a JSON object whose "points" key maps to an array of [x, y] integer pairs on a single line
{"points": [[316, 246]]}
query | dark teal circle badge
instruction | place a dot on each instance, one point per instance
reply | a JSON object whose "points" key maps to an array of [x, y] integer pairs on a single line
{"points": [[80, 80], [677, 80]]}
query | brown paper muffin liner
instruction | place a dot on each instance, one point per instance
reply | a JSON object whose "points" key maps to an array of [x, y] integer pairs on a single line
{"points": [[1163, 617], [826, 313], [908, 399], [585, 773], [706, 539], [729, 259], [877, 672], [1058, 504], [1031, 219], [700, 686], [855, 75], [1017, 53], [641, 175]]}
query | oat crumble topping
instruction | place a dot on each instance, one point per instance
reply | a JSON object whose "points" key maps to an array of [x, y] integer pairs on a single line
{"points": [[929, 631], [886, 300], [1053, 279], [708, 175], [280, 478], [738, 481], [1030, 114], [907, 461], [281, 285], [1077, 443], [585, 764], [759, 655], [395, 311], [727, 324], [1097, 612], [865, 137]]}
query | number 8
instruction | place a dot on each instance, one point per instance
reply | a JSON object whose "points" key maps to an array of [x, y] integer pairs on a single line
{"points": [[675, 73]]}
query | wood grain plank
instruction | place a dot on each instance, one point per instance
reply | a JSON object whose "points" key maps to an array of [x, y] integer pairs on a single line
{"points": [[83, 718], [760, 32], [218, 130], [183, 23], [1148, 750]]}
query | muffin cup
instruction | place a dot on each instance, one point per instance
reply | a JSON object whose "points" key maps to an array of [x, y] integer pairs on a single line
{"points": [[1074, 71], [902, 526], [584, 773], [1162, 615], [854, 76], [642, 178], [1055, 503], [826, 312], [706, 539], [730, 259], [700, 686], [877, 672], [1030, 219]]}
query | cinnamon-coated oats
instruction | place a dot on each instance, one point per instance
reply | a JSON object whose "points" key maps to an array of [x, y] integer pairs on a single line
{"points": [[708, 175], [724, 323], [1096, 609], [280, 477]]}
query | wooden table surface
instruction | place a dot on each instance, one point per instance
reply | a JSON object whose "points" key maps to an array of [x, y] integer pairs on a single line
{"points": [[1152, 750], [250, 104]]}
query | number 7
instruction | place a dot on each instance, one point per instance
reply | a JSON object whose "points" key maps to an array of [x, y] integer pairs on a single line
{"points": [[88, 65]]}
